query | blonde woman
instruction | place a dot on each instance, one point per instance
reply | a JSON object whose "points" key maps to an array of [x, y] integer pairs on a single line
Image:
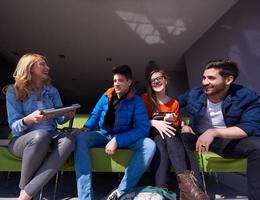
{"points": [[35, 139]]}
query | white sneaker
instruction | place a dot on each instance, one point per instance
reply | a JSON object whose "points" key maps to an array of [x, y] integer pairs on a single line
{"points": [[114, 195]]}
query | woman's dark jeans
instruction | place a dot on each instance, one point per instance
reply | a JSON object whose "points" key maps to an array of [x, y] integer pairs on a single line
{"points": [[169, 152]]}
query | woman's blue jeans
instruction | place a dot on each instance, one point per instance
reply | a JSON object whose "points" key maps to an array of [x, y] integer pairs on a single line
{"points": [[143, 149]]}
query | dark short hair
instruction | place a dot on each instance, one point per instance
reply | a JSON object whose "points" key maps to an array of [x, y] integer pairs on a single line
{"points": [[226, 68], [123, 70]]}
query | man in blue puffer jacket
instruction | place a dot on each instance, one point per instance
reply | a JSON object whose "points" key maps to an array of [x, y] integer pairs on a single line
{"points": [[224, 118], [123, 123]]}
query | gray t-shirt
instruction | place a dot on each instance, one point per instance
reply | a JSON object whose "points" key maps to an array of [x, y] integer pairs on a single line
{"points": [[213, 117]]}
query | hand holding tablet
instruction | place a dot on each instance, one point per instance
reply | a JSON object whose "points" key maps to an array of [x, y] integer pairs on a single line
{"points": [[161, 115]]}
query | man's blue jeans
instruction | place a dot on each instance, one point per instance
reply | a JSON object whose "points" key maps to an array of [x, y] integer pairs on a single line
{"points": [[143, 149]]}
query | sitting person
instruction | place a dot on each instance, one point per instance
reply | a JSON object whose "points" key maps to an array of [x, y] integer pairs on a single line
{"points": [[225, 119], [163, 128], [165, 134], [35, 139], [122, 118]]}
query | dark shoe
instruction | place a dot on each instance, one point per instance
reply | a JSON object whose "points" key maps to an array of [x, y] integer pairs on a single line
{"points": [[113, 196], [189, 189]]}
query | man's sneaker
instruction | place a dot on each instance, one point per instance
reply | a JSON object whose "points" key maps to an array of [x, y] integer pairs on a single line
{"points": [[114, 195]]}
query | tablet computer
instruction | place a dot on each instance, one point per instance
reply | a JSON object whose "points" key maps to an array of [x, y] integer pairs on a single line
{"points": [[60, 111]]}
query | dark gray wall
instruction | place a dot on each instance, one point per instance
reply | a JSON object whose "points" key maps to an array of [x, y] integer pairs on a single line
{"points": [[6, 71], [235, 36], [178, 83]]}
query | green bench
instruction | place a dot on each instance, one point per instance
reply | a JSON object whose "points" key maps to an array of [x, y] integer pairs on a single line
{"points": [[101, 162]]}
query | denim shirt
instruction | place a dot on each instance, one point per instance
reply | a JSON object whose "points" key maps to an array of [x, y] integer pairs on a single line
{"points": [[240, 108], [17, 110]]}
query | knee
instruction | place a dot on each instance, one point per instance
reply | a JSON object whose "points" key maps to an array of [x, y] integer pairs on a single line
{"points": [[39, 140], [159, 140], [81, 140], [149, 145], [40, 137], [68, 142], [187, 140], [184, 137], [160, 145], [255, 145]]}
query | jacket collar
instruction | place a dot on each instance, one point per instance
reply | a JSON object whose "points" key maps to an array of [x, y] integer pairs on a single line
{"points": [[45, 89], [203, 98], [111, 90]]}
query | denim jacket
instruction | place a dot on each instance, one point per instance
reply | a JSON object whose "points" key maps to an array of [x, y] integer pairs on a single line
{"points": [[17, 110], [240, 108], [131, 118]]}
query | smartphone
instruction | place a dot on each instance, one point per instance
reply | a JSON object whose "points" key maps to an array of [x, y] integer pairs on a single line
{"points": [[161, 115]]}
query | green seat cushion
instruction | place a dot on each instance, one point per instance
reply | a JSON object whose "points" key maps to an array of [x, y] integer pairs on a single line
{"points": [[212, 162], [8, 162], [79, 120], [101, 162], [65, 125]]}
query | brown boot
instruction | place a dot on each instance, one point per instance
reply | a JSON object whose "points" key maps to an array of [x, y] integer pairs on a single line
{"points": [[189, 189]]}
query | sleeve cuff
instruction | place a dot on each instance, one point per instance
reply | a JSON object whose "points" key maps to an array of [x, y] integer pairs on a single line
{"points": [[22, 123]]}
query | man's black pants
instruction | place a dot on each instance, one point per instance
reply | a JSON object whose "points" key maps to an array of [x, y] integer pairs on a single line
{"points": [[248, 147]]}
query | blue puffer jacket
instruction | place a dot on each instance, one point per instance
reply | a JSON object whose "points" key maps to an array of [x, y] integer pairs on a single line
{"points": [[240, 108], [131, 118]]}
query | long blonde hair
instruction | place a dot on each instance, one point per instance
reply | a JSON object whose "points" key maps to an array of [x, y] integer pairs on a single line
{"points": [[22, 75], [151, 94]]}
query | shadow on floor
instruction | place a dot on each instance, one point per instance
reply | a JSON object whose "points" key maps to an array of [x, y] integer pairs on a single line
{"points": [[220, 186]]}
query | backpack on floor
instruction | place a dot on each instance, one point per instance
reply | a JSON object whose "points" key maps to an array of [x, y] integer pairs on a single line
{"points": [[148, 193]]}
